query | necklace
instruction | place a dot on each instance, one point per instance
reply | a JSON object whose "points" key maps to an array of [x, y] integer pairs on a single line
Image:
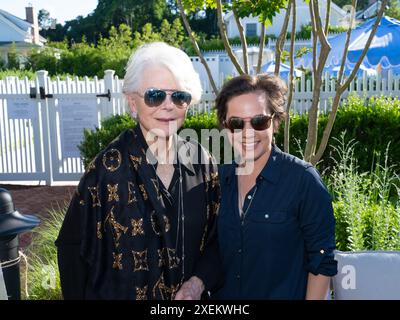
{"points": [[244, 213], [181, 218]]}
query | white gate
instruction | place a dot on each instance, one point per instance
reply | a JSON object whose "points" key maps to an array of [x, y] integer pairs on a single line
{"points": [[41, 124]]}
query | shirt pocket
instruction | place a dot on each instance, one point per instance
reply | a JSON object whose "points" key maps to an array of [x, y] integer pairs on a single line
{"points": [[267, 216]]}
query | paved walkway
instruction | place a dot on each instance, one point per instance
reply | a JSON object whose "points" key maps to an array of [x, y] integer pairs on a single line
{"points": [[37, 200]]}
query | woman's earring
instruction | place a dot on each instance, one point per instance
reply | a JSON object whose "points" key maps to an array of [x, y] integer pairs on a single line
{"points": [[134, 115]]}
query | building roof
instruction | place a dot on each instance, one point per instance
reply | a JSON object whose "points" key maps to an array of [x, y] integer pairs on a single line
{"points": [[22, 26], [18, 22]]}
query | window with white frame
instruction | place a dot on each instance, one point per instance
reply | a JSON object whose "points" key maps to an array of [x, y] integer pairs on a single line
{"points": [[251, 29]]}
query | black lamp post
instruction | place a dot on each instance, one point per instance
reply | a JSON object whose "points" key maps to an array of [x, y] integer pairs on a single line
{"points": [[12, 223]]}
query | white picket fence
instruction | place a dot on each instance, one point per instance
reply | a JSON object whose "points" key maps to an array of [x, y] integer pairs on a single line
{"points": [[42, 121]]}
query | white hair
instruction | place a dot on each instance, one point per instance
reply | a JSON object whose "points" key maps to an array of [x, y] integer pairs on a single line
{"points": [[162, 54]]}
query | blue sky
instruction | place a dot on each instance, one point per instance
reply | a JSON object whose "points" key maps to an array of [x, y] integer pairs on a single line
{"points": [[62, 10]]}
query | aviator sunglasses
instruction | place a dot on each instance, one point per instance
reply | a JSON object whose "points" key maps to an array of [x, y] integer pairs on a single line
{"points": [[155, 97], [259, 122]]}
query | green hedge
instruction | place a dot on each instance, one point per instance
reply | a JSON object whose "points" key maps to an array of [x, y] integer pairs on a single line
{"points": [[373, 125]]}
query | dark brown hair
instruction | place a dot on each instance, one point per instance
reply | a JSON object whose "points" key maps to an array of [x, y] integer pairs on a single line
{"points": [[274, 88]]}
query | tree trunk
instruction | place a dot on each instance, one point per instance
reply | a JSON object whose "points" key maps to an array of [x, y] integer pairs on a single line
{"points": [[318, 67], [196, 46], [342, 87], [261, 47], [225, 40], [281, 39], [291, 80], [243, 41]]}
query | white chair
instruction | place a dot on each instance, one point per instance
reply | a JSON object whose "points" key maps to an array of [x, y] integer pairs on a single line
{"points": [[3, 292], [367, 275]]}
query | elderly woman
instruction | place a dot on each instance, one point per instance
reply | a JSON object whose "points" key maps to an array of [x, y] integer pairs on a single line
{"points": [[142, 223], [276, 227]]}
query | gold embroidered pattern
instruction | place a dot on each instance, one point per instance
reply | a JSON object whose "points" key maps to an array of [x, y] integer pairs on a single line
{"points": [[214, 180], [112, 160], [136, 161], [117, 261], [140, 258], [99, 234], [141, 293], [113, 192], [166, 293], [203, 239], [166, 223], [91, 165], [144, 193], [154, 224], [206, 182], [173, 290], [94, 191], [131, 193], [155, 183], [173, 260], [215, 206], [137, 227], [117, 227], [161, 257]]}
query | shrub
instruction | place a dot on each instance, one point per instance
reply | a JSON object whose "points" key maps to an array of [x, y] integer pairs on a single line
{"points": [[372, 123], [21, 74], [96, 140], [366, 205], [43, 276], [305, 31]]}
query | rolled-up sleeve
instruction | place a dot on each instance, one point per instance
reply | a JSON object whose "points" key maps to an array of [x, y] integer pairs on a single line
{"points": [[317, 223]]}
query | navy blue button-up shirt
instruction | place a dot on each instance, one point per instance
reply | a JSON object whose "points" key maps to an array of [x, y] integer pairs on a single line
{"points": [[288, 231]]}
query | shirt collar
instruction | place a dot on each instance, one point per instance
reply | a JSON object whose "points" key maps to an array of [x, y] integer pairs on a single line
{"points": [[271, 171]]}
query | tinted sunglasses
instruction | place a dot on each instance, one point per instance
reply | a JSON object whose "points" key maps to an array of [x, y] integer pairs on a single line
{"points": [[155, 97], [259, 122]]}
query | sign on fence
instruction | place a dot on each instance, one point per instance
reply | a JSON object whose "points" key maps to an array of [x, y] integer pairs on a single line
{"points": [[22, 109], [75, 116]]}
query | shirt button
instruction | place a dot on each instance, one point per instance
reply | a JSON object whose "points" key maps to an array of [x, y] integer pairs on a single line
{"points": [[322, 251], [240, 250], [249, 197], [238, 276], [267, 216]]}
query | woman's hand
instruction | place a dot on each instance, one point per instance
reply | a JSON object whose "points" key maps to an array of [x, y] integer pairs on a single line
{"points": [[191, 289]]}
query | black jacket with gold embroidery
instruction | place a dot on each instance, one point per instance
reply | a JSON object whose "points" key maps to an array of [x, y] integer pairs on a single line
{"points": [[118, 238]]}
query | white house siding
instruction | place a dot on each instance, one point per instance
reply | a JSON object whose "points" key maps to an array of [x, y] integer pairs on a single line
{"points": [[302, 18]]}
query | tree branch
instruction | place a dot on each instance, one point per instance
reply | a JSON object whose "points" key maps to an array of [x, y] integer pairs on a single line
{"points": [[243, 40], [196, 46], [327, 16], [346, 45], [261, 48], [281, 39], [225, 40], [291, 79]]}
